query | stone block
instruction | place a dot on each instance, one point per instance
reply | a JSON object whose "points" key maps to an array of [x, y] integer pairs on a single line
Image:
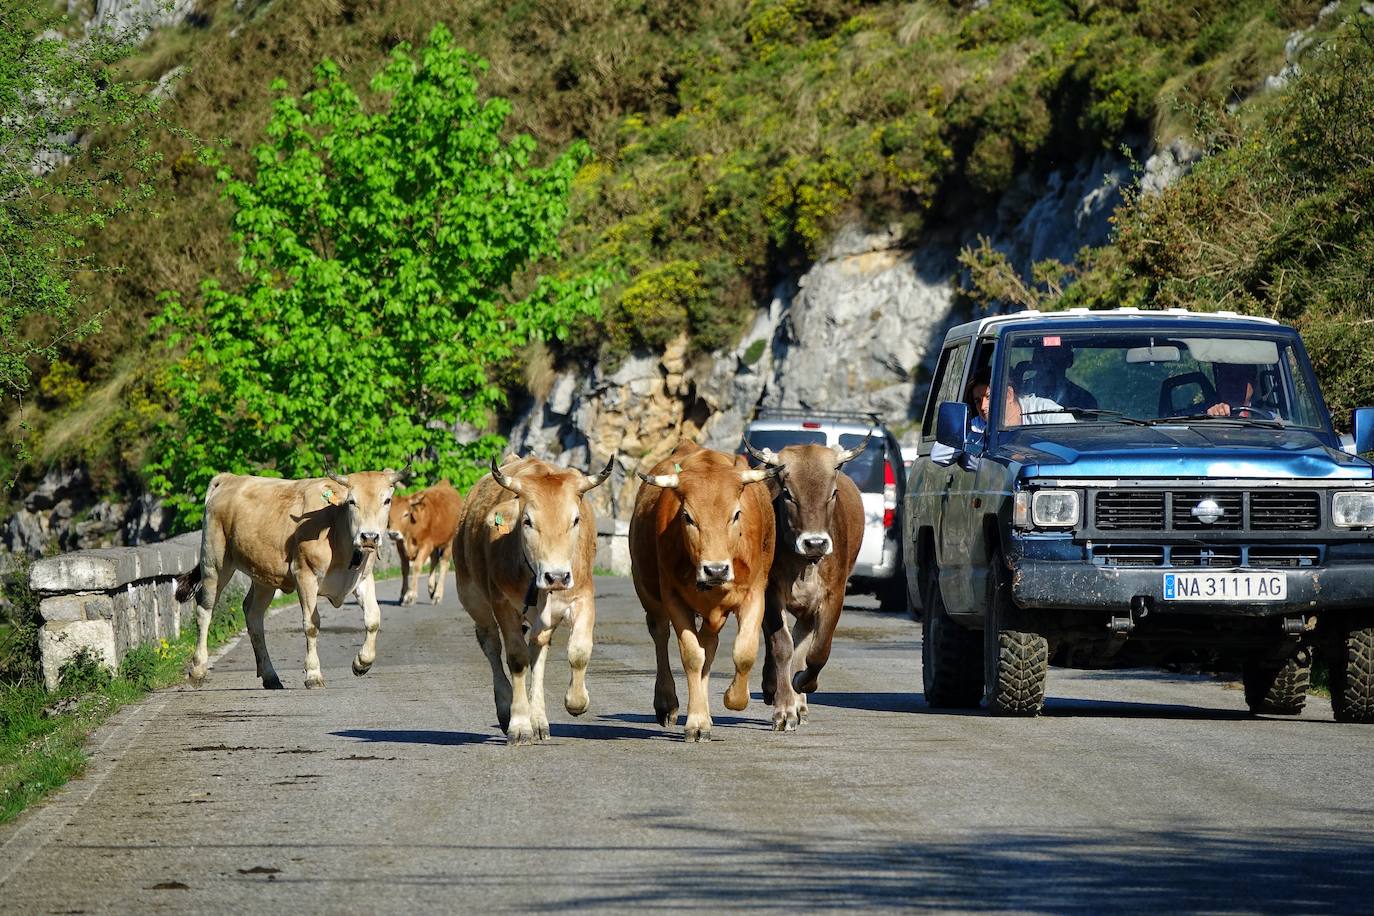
{"points": [[125, 620], [76, 607], [59, 640]]}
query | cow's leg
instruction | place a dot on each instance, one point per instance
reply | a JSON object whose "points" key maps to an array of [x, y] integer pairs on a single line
{"points": [[206, 599], [576, 700], [665, 690], [489, 638], [409, 573], [255, 613], [807, 677], [694, 653], [309, 594], [803, 638], [372, 623], [521, 728], [438, 569], [777, 667], [746, 651], [542, 625]]}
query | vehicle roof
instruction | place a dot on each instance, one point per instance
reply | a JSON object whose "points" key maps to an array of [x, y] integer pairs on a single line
{"points": [[841, 426], [1081, 318]]}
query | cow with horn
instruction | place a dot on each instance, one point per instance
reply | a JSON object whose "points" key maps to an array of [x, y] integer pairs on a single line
{"points": [[701, 543], [820, 523], [523, 555], [317, 537]]}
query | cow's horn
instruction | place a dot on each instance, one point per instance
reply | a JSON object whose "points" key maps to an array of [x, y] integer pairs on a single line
{"points": [[402, 474], [599, 479], [766, 457], [666, 481], [502, 479], [759, 474], [341, 480], [844, 455]]}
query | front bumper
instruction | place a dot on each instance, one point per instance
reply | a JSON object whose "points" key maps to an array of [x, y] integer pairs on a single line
{"points": [[1085, 586]]}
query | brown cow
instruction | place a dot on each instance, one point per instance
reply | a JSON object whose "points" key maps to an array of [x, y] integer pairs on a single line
{"points": [[317, 536], [701, 542], [820, 522], [423, 525], [524, 551]]}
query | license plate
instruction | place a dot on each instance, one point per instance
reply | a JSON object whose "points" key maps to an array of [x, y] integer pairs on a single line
{"points": [[1225, 586]]}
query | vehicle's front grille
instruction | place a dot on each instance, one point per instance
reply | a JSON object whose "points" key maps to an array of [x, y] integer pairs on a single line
{"points": [[1189, 510], [1123, 555], [1280, 511], [1188, 504], [1136, 510], [1285, 556]]}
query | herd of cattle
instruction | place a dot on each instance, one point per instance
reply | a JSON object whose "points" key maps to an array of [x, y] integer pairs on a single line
{"points": [[709, 536]]}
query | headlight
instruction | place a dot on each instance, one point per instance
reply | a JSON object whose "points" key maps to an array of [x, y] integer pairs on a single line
{"points": [[1054, 508], [1353, 509]]}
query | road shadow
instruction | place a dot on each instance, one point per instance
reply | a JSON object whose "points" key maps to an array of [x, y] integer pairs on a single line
{"points": [[870, 701], [593, 731], [417, 736], [732, 721], [1066, 708]]}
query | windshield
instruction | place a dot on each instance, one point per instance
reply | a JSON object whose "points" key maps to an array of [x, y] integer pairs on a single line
{"points": [[1155, 378], [779, 439]]}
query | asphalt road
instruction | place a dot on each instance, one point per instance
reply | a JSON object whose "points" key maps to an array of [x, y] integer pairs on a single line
{"points": [[395, 793]]}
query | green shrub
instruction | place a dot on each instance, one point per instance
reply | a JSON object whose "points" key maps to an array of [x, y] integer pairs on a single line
{"points": [[20, 659], [83, 673]]}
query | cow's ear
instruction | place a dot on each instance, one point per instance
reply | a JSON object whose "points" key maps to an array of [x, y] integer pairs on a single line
{"points": [[333, 494]]}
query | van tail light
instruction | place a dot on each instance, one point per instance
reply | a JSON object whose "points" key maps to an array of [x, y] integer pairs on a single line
{"points": [[889, 495]]}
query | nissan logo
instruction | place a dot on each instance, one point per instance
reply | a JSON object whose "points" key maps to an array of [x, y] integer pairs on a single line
{"points": [[1208, 511]]}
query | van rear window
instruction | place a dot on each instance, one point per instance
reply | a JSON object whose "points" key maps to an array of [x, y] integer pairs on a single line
{"points": [[779, 439], [866, 469]]}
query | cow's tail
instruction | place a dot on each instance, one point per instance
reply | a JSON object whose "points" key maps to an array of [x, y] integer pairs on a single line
{"points": [[188, 586]]}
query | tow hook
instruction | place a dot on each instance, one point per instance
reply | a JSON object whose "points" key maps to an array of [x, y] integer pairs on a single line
{"points": [[1121, 624], [1293, 625]]}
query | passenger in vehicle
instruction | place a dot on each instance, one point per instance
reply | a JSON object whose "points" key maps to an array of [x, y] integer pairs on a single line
{"points": [[976, 396], [1051, 382], [1235, 384]]}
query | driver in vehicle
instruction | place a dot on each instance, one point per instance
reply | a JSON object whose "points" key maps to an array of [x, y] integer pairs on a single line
{"points": [[1050, 381], [1235, 385]]}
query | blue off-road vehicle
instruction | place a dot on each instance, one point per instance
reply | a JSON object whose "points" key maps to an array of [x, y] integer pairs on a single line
{"points": [[1124, 488]]}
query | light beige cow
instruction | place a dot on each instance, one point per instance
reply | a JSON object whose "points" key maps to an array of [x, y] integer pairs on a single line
{"points": [[524, 551], [316, 537]]}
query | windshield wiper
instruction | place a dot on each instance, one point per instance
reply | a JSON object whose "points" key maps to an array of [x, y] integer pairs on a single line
{"points": [[1232, 420], [1091, 413]]}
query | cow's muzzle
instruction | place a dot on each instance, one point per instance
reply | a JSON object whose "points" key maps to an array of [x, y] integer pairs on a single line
{"points": [[714, 575], [368, 540], [814, 544], [555, 580]]}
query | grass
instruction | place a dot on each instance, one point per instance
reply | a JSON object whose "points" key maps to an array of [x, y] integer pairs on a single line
{"points": [[43, 734]]}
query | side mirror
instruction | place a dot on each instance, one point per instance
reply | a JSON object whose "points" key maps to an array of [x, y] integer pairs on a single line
{"points": [[951, 424], [1364, 429]]}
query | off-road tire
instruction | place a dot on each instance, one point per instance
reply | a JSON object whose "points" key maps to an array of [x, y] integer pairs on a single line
{"points": [[950, 669], [1352, 675], [1280, 689], [1016, 659]]}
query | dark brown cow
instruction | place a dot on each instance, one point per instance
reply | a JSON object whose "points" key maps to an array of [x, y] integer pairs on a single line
{"points": [[820, 521], [318, 536], [423, 525], [701, 543], [524, 551]]}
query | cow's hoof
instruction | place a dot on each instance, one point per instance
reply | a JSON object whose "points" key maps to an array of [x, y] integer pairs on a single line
{"points": [[801, 683], [359, 668], [667, 718], [697, 732], [785, 720], [407, 599], [197, 675], [272, 683], [576, 705], [520, 733], [737, 697], [314, 680], [541, 731], [768, 696]]}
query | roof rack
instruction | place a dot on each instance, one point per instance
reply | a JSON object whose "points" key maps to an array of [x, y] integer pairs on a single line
{"points": [[803, 413]]}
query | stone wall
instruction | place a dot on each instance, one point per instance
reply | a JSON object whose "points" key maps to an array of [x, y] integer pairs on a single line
{"points": [[110, 601]]}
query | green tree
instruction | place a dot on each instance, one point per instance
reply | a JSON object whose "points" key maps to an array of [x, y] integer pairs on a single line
{"points": [[379, 251], [74, 154]]}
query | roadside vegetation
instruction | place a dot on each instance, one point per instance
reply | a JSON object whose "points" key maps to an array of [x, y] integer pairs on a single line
{"points": [[726, 140], [42, 733]]}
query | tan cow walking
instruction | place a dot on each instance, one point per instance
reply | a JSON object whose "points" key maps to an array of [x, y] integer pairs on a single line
{"points": [[701, 543], [317, 536], [423, 525], [524, 551], [820, 522]]}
